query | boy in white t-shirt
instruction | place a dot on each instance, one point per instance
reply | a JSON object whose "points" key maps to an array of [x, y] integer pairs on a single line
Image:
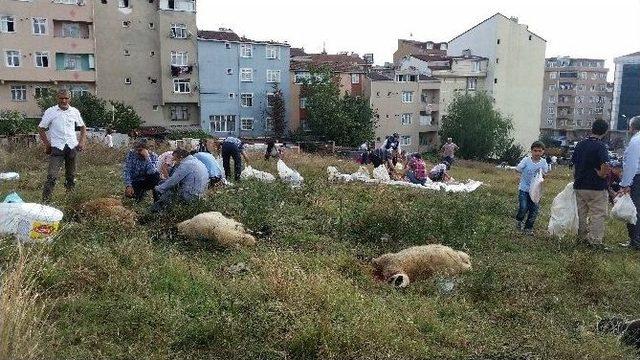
{"points": [[528, 169]]}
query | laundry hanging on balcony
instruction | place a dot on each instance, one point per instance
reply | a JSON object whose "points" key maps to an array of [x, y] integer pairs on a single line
{"points": [[177, 70]]}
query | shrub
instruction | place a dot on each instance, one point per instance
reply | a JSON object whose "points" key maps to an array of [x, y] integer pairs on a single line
{"points": [[512, 155]]}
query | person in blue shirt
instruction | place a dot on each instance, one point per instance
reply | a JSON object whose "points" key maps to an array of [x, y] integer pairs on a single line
{"points": [[233, 148], [140, 171], [188, 181], [590, 160], [529, 168], [215, 172], [630, 183]]}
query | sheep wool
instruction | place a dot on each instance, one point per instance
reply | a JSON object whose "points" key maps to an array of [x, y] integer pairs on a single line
{"points": [[419, 263], [215, 226], [108, 208]]}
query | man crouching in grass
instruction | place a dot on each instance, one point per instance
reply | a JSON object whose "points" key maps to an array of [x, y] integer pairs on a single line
{"points": [[529, 168], [188, 181]]}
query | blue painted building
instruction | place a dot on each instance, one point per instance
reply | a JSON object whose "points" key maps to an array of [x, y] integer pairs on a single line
{"points": [[238, 77]]}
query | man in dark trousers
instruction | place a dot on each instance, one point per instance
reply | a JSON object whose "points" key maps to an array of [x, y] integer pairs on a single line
{"points": [[233, 148], [590, 160], [630, 183], [140, 171]]}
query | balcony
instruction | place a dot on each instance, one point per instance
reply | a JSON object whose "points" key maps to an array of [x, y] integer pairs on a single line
{"points": [[178, 70]]}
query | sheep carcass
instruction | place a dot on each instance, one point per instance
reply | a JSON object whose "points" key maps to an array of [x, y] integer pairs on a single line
{"points": [[215, 226], [108, 208]]}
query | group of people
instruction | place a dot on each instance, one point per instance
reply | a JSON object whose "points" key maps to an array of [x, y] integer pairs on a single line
{"points": [[598, 181], [410, 167]]}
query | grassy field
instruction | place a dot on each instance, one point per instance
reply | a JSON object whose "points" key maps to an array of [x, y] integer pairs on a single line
{"points": [[103, 292]]}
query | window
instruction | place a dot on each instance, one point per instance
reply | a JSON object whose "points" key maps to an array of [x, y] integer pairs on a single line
{"points": [[425, 119], [223, 123], [42, 59], [39, 26], [582, 75], [181, 86], [41, 91], [495, 80], [401, 78], [179, 113], [602, 87], [152, 53], [355, 78], [599, 110], [246, 100], [302, 76], [303, 103], [232, 95], [551, 110], [13, 58], [246, 50], [405, 119], [443, 46], [78, 90], [179, 31], [581, 87], [498, 42], [476, 66], [179, 58], [71, 30], [182, 5], [227, 45], [580, 111], [18, 93], [123, 3], [405, 140], [127, 81], [305, 125], [552, 99], [72, 62], [126, 23], [273, 76], [594, 76], [471, 83], [246, 75], [429, 46], [68, 2], [155, 107], [126, 52], [246, 124], [152, 25], [407, 96], [497, 60], [7, 24], [272, 52], [593, 88], [552, 87], [553, 75], [271, 98], [579, 99]]}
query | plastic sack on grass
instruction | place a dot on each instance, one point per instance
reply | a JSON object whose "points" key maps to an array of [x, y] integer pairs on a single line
{"points": [[335, 175], [251, 173], [624, 209], [12, 198], [29, 222], [535, 190], [381, 173], [9, 176], [289, 175], [564, 213], [361, 175]]}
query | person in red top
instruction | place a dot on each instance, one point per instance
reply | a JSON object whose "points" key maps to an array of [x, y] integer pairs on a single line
{"points": [[417, 170]]}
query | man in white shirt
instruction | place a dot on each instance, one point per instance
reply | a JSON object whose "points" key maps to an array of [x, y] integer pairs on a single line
{"points": [[58, 134], [630, 183]]}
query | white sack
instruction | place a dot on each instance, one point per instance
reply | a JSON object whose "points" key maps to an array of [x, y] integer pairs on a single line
{"points": [[29, 222], [564, 213], [289, 175], [624, 209], [249, 173], [381, 173], [535, 190]]}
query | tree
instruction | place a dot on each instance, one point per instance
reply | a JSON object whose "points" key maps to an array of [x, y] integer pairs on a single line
{"points": [[123, 118], [92, 108], [479, 130], [277, 112], [13, 122], [347, 120]]}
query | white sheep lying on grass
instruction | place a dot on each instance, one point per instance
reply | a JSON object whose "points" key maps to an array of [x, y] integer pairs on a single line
{"points": [[420, 262], [215, 226]]}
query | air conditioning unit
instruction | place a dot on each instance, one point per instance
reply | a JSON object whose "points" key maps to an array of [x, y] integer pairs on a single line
{"points": [[81, 2]]}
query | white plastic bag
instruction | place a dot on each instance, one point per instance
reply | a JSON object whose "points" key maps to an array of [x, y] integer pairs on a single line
{"points": [[29, 222], [381, 173], [535, 190], [250, 172], [289, 175], [564, 213], [624, 209], [9, 176], [361, 175]]}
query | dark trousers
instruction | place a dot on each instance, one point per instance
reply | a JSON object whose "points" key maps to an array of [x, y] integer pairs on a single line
{"points": [[448, 159], [230, 150], [527, 207], [141, 186], [413, 179], [634, 230], [56, 159]]}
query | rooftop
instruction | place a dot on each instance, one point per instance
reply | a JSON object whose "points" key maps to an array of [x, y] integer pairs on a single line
{"points": [[494, 16], [343, 62], [230, 36]]}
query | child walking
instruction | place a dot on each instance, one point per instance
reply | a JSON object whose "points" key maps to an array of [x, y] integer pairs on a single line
{"points": [[528, 169]]}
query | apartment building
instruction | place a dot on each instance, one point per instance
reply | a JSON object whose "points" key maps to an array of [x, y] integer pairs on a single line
{"points": [[238, 80], [349, 68], [626, 91], [146, 57], [406, 102], [575, 94], [412, 47], [45, 44], [515, 71]]}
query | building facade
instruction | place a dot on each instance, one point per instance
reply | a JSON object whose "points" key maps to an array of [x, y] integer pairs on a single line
{"points": [[412, 47], [238, 80], [575, 93], [146, 57], [515, 70], [45, 45], [406, 103], [626, 91]]}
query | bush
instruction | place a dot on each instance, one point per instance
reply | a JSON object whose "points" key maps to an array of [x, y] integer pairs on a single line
{"points": [[192, 134], [512, 155], [13, 122]]}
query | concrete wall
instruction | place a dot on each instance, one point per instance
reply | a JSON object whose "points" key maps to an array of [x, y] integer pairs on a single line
{"points": [[217, 84]]}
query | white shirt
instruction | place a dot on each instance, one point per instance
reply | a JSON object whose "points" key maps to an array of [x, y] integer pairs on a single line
{"points": [[62, 126], [108, 140], [631, 163]]}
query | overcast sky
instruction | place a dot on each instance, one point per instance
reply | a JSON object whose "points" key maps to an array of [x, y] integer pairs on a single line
{"points": [[592, 29]]}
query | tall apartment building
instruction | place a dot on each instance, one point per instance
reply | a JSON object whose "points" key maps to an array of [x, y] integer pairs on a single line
{"points": [[515, 69], [412, 47], [238, 79], [141, 53], [626, 91], [147, 57], [45, 44], [574, 95], [406, 102]]}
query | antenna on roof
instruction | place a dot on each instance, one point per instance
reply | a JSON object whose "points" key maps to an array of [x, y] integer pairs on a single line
{"points": [[411, 35], [324, 47]]}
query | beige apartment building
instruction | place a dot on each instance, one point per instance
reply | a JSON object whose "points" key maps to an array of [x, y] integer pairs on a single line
{"points": [[45, 44], [412, 47], [575, 93], [142, 53], [515, 70], [406, 103]]}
